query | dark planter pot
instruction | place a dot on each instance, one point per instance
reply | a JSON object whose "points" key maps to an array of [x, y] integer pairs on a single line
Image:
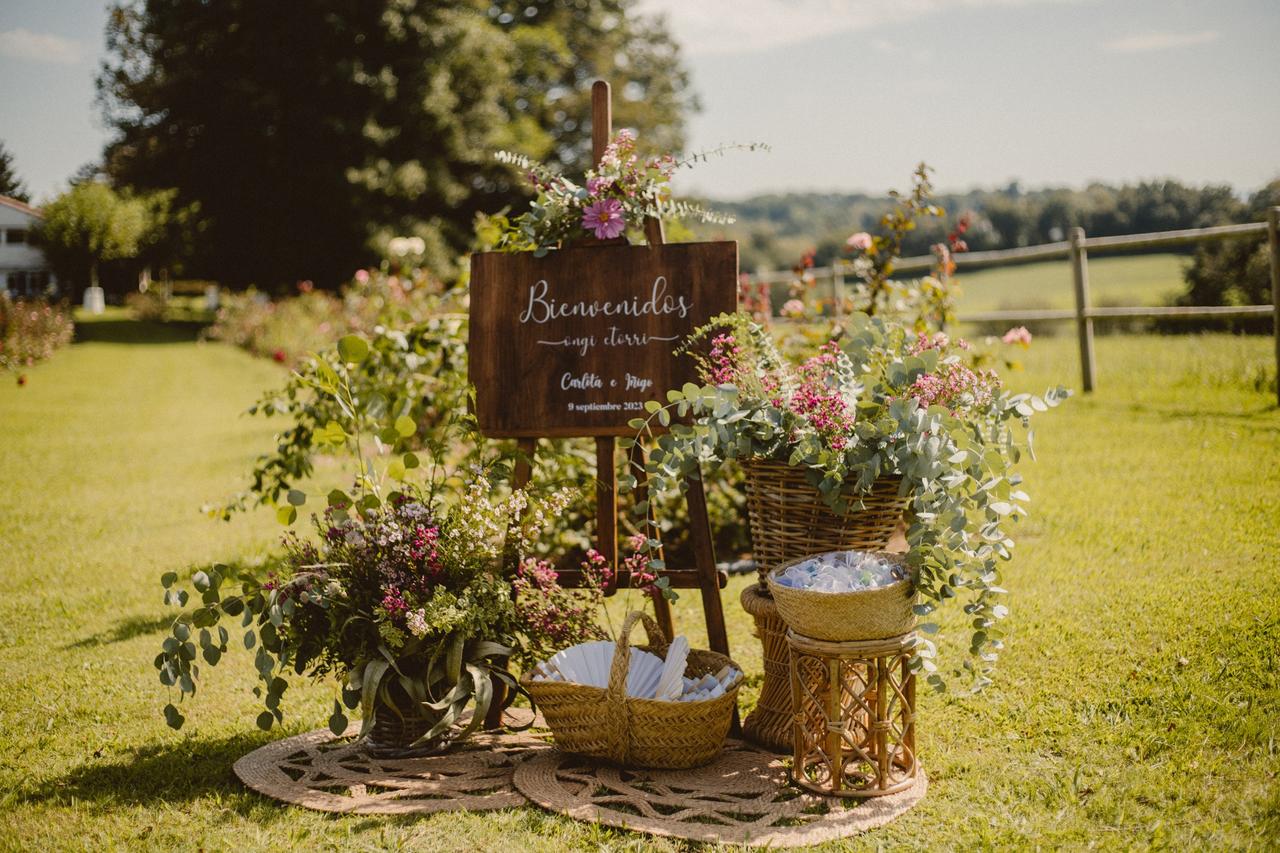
{"points": [[397, 726]]}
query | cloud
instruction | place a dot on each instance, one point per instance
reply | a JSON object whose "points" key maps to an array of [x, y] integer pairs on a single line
{"points": [[1146, 42], [744, 26], [39, 47]]}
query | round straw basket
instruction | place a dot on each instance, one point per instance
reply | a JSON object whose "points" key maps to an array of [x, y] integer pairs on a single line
{"points": [[789, 518], [868, 614], [605, 723]]}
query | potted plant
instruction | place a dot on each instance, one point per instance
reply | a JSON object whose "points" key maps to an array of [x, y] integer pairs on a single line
{"points": [[403, 595], [882, 400]]}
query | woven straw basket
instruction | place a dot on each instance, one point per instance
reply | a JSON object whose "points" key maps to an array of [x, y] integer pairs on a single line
{"points": [[869, 614], [789, 519], [605, 723]]}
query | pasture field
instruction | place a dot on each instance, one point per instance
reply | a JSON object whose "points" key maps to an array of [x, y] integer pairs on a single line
{"points": [[1113, 280], [1137, 703]]}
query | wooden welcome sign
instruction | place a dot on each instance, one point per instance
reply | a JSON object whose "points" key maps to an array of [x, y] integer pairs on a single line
{"points": [[572, 344], [575, 342]]}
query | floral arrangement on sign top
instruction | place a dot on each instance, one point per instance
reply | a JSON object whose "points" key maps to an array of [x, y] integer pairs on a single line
{"points": [[881, 400], [620, 193], [403, 595]]}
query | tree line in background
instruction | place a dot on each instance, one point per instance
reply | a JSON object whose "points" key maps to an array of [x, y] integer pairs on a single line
{"points": [[775, 230], [311, 134], [267, 144]]}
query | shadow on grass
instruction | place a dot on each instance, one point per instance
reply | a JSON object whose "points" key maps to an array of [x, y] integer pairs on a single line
{"points": [[125, 629], [170, 772], [136, 332], [139, 626]]}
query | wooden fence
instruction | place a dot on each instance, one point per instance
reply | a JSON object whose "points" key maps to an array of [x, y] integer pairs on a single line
{"points": [[1077, 249]]}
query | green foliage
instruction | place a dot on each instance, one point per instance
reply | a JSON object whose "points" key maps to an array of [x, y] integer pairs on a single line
{"points": [[404, 596], [10, 184], [1235, 272], [776, 229], [1116, 718], [631, 190], [884, 403], [87, 225], [31, 330], [304, 161]]}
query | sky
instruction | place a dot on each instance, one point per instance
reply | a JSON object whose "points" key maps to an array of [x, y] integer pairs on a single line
{"points": [[851, 94]]}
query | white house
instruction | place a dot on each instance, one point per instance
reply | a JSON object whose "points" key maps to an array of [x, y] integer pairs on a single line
{"points": [[23, 269]]}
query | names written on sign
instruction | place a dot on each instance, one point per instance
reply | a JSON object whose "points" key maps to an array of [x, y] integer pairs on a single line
{"points": [[574, 343]]}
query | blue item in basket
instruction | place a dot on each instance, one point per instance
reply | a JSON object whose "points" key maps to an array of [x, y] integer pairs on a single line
{"points": [[841, 571]]}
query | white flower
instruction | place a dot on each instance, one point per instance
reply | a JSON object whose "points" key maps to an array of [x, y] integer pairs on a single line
{"points": [[398, 247], [416, 620]]}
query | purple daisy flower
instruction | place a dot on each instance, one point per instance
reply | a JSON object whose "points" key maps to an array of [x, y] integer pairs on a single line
{"points": [[604, 218]]}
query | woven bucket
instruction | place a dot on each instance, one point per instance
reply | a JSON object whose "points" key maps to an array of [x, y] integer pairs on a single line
{"points": [[398, 724], [790, 520], [870, 614], [607, 724]]}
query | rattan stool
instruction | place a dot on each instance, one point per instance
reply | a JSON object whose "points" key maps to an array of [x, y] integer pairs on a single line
{"points": [[769, 725], [854, 731]]}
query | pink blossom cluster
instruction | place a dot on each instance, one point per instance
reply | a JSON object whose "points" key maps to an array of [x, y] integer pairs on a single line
{"points": [[550, 616], [793, 308], [955, 387], [393, 602], [637, 565], [1018, 335], [423, 546], [622, 177], [818, 398], [723, 360], [939, 341], [859, 242]]}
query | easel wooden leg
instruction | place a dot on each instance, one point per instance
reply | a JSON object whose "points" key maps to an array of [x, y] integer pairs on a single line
{"points": [[607, 504], [519, 479], [704, 556]]}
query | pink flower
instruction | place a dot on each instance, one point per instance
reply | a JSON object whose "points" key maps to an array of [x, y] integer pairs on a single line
{"points": [[604, 218], [362, 276], [792, 308], [1018, 335], [723, 360], [860, 241], [595, 186]]}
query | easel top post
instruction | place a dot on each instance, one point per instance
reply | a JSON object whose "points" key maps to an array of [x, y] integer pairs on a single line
{"points": [[601, 119]]}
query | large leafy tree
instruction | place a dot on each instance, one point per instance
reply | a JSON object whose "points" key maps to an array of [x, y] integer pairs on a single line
{"points": [[87, 226], [10, 184], [309, 133]]}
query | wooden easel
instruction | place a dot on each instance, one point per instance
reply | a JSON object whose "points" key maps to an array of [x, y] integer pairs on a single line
{"points": [[704, 575]]}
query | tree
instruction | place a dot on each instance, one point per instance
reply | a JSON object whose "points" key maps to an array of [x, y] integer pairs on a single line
{"points": [[1235, 272], [311, 133], [89, 225], [10, 184]]}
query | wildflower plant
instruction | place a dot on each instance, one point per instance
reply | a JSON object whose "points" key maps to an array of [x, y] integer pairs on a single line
{"points": [[882, 400], [405, 590], [619, 194]]}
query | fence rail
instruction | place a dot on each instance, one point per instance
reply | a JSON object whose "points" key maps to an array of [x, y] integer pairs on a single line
{"points": [[1076, 249]]}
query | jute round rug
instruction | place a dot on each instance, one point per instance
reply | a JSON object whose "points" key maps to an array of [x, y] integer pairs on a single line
{"points": [[740, 798], [330, 774]]}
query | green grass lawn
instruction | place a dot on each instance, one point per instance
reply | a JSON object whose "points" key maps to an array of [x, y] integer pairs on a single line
{"points": [[1137, 704], [1126, 280]]}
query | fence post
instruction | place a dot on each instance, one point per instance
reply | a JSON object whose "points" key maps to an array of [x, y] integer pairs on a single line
{"points": [[837, 288], [1084, 323], [1273, 243]]}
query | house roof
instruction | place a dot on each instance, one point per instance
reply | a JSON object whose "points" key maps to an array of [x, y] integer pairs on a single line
{"points": [[22, 206]]}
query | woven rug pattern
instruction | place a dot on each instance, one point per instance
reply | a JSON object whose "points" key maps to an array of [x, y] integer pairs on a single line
{"points": [[740, 798], [743, 797], [320, 772]]}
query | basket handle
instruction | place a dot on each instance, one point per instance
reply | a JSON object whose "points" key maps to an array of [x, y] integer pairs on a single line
{"points": [[615, 696], [617, 691]]}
